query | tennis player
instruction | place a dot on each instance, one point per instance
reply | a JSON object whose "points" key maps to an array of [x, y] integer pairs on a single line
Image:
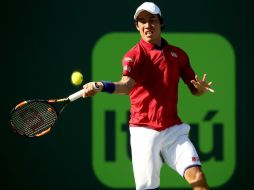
{"points": [[151, 73]]}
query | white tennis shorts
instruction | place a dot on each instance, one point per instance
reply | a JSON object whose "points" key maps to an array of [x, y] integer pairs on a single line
{"points": [[149, 147]]}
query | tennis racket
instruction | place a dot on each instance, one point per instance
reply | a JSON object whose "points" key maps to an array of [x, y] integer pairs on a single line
{"points": [[34, 118]]}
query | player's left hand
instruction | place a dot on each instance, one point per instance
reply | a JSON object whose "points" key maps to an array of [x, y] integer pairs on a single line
{"points": [[201, 85]]}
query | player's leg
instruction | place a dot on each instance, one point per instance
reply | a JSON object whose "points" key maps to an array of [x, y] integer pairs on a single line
{"points": [[181, 155], [146, 158], [196, 178]]}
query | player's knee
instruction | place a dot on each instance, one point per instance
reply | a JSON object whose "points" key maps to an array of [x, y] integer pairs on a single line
{"points": [[197, 180]]}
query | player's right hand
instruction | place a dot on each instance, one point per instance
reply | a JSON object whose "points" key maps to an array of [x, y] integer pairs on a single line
{"points": [[92, 88]]}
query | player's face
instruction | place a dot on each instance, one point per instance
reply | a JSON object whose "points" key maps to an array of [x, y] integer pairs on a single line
{"points": [[149, 27]]}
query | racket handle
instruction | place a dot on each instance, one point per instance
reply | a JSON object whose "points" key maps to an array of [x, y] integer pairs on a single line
{"points": [[76, 95]]}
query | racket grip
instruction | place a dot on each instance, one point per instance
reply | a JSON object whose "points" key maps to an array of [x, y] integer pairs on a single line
{"points": [[76, 95]]}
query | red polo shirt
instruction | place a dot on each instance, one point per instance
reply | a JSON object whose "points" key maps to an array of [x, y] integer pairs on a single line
{"points": [[156, 72]]}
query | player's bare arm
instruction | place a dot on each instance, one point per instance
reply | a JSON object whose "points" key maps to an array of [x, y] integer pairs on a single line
{"points": [[199, 87], [123, 86]]}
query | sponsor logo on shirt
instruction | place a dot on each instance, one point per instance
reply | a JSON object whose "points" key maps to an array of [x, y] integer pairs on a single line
{"points": [[173, 54], [127, 68], [128, 59]]}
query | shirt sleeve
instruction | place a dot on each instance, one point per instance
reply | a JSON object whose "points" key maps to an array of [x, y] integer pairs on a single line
{"points": [[187, 73], [130, 64]]}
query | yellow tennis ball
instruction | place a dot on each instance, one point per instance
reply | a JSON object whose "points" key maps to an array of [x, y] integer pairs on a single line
{"points": [[76, 78]]}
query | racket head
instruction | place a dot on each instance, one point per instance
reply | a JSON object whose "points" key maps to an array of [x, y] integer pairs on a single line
{"points": [[33, 118]]}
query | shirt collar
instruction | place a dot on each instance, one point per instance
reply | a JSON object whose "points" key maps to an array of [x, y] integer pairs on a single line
{"points": [[149, 46]]}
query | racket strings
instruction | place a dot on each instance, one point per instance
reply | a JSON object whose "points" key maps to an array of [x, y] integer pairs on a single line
{"points": [[33, 118]]}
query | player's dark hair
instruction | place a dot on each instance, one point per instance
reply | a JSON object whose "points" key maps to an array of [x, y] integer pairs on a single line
{"points": [[161, 21]]}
